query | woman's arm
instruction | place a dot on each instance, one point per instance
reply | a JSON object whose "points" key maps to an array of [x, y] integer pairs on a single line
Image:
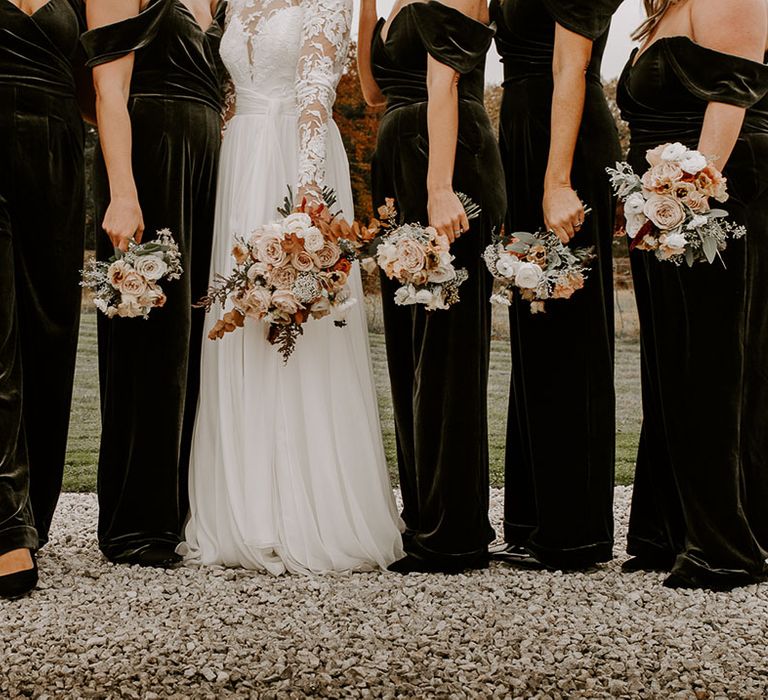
{"points": [[739, 28], [563, 210], [112, 81], [366, 25], [446, 213]]}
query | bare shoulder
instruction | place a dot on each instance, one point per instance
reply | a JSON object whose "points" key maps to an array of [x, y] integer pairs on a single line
{"points": [[738, 27], [102, 12], [476, 9]]}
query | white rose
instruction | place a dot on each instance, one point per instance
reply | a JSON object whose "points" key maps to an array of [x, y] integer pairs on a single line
{"points": [[635, 204], [313, 239], [150, 267], [405, 296], [528, 275], [296, 223], [673, 240], [674, 152], [442, 274], [634, 223], [696, 222], [693, 163], [507, 266]]}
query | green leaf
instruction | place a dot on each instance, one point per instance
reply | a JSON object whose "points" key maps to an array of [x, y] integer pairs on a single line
{"points": [[709, 246]]}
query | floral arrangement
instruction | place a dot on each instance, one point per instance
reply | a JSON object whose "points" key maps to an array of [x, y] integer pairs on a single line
{"points": [[667, 210], [127, 285], [287, 272], [538, 267], [420, 259]]}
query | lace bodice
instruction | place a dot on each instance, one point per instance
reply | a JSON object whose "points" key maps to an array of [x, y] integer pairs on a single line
{"points": [[291, 50]]}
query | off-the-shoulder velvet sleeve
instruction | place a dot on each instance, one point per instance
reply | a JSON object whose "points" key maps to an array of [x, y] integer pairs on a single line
{"points": [[714, 76], [590, 18], [450, 36], [113, 41]]}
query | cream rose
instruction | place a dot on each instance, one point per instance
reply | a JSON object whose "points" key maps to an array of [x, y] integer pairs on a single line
{"points": [[256, 302], [507, 266], [270, 249], [133, 284], [313, 239], [528, 275], [150, 267], [285, 301], [410, 257], [296, 223], [666, 213], [129, 307], [154, 297]]}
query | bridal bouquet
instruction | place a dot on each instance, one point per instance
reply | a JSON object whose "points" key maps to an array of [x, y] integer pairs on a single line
{"points": [[127, 285], [538, 267], [667, 210], [287, 272], [420, 259]]}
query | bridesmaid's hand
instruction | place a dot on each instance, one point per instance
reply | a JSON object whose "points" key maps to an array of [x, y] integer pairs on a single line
{"points": [[123, 222], [446, 214], [563, 212]]}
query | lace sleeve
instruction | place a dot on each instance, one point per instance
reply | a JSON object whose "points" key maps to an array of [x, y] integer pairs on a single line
{"points": [[325, 43]]}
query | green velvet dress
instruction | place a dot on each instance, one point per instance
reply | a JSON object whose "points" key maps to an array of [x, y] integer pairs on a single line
{"points": [[560, 452], [149, 369], [42, 223], [438, 362], [701, 485]]}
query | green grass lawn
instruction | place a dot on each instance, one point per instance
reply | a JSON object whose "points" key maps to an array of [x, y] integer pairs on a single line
{"points": [[80, 474]]}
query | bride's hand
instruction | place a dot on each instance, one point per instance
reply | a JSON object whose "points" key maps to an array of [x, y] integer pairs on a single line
{"points": [[123, 222], [563, 212], [446, 214]]}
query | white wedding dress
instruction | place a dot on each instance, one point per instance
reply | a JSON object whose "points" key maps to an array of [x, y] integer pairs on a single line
{"points": [[288, 470]]}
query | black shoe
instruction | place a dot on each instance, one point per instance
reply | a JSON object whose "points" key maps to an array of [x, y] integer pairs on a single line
{"points": [[646, 562], [411, 564], [509, 553], [19, 584], [723, 584], [155, 556]]}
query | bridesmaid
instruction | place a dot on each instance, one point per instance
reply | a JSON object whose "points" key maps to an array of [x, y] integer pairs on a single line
{"points": [[159, 102], [427, 63], [701, 486], [557, 137], [41, 251]]}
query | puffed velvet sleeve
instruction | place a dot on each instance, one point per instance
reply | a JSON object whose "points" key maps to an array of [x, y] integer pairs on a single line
{"points": [[113, 41], [451, 37], [590, 18], [713, 76]]}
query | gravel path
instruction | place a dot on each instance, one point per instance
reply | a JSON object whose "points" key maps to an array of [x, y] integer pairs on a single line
{"points": [[95, 630]]}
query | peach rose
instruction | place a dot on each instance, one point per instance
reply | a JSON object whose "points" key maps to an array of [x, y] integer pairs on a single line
{"points": [[282, 277], [303, 261], [154, 297], [664, 212], [117, 272], [150, 267], [133, 284], [256, 302], [654, 155], [711, 182], [129, 307], [662, 177], [270, 249], [328, 255]]}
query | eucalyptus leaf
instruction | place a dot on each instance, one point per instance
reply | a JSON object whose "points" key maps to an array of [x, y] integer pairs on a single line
{"points": [[526, 237], [689, 257], [709, 246], [717, 214]]}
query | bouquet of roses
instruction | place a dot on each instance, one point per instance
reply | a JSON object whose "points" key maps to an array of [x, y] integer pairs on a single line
{"points": [[127, 285], [667, 210], [538, 267], [420, 259], [287, 272]]}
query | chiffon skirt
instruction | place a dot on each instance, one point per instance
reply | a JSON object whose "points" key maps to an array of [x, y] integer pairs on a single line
{"points": [[288, 471]]}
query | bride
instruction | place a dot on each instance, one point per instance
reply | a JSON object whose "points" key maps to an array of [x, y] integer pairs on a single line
{"points": [[287, 470]]}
